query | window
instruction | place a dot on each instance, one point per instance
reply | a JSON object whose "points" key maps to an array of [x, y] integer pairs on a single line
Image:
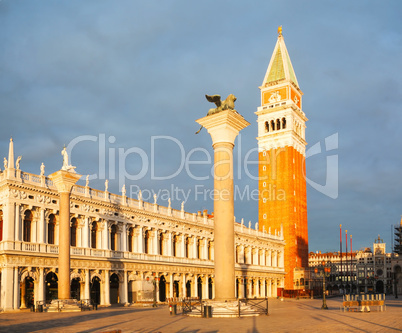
{"points": [[27, 225], [1, 225], [198, 248], [50, 229], [186, 248], [113, 236], [130, 239], [278, 124], [266, 126], [146, 242], [73, 232], [94, 231], [174, 245], [161, 244], [283, 123], [272, 125]]}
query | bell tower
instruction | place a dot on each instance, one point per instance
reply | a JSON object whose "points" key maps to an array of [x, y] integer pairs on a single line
{"points": [[281, 146]]}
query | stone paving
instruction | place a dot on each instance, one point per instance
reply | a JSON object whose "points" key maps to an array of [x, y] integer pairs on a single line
{"points": [[290, 315]]}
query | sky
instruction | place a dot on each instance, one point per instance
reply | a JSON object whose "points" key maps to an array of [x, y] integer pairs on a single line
{"points": [[121, 83]]}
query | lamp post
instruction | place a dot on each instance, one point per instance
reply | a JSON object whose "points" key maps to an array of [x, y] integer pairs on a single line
{"points": [[323, 272]]}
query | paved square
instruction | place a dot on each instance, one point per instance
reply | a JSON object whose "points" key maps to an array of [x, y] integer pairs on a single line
{"points": [[287, 316]]}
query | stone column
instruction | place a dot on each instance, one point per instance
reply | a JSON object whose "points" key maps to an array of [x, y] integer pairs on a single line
{"points": [[183, 246], [205, 287], [41, 227], [87, 288], [16, 289], [8, 280], [41, 286], [241, 288], [183, 285], [169, 244], [86, 233], [155, 242], [123, 235], [107, 288], [223, 127], [64, 181], [123, 290]]}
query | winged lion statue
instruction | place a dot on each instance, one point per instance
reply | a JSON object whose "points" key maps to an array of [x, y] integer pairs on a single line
{"points": [[227, 104]]}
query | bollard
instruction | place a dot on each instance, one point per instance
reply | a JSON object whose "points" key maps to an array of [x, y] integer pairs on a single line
{"points": [[207, 311]]}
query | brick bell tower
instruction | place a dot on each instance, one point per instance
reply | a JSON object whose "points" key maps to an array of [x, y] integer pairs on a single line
{"points": [[281, 146]]}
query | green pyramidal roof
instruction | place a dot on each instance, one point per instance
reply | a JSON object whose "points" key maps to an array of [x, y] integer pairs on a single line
{"points": [[280, 67]]}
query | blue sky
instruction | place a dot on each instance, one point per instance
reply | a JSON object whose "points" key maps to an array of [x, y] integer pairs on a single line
{"points": [[128, 78]]}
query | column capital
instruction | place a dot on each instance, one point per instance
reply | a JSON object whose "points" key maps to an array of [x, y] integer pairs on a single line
{"points": [[223, 126], [64, 180]]}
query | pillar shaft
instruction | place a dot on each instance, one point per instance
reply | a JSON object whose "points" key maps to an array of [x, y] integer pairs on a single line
{"points": [[224, 221], [64, 246], [64, 181]]}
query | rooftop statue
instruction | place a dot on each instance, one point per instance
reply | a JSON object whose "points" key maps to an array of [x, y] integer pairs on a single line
{"points": [[66, 166], [227, 104]]}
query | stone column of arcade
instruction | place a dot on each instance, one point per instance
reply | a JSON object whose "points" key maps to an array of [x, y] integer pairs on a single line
{"points": [[224, 126], [64, 181]]}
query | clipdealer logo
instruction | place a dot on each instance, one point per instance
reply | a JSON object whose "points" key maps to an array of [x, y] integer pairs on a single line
{"points": [[107, 157]]}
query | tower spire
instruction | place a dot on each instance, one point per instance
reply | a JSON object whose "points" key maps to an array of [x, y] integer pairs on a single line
{"points": [[280, 67], [11, 154]]}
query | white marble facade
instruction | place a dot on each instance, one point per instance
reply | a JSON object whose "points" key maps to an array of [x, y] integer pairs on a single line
{"points": [[118, 247]]}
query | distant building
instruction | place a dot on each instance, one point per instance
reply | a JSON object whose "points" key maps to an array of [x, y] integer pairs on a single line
{"points": [[397, 260], [364, 271]]}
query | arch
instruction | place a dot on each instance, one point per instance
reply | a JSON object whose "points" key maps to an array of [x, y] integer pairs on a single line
{"points": [[95, 290], [113, 237], [283, 122], [272, 125], [114, 288], [176, 290], [379, 287], [199, 287], [188, 288], [162, 289], [73, 232], [27, 225], [75, 288], [75, 275], [266, 126], [28, 273], [51, 225], [96, 275], [52, 285], [27, 292], [209, 250], [210, 286], [278, 124]]}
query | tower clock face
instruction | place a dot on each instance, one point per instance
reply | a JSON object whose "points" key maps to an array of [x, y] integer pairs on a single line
{"points": [[379, 272]]}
